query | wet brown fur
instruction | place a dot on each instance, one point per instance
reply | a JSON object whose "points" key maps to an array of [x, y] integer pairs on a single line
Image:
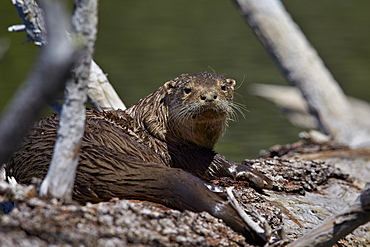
{"points": [[155, 150]]}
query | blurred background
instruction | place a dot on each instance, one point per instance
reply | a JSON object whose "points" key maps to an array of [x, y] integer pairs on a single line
{"points": [[142, 44]]}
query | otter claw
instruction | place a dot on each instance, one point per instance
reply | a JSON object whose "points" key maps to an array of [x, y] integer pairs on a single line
{"points": [[256, 178]]}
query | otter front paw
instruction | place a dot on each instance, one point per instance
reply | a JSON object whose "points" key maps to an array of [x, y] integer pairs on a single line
{"points": [[243, 172]]}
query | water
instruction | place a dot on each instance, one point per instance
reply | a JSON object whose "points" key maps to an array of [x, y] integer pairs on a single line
{"points": [[141, 45]]}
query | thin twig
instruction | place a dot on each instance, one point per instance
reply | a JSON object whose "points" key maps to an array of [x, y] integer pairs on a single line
{"points": [[263, 233]]}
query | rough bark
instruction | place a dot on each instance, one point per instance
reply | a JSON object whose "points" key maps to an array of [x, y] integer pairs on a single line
{"points": [[305, 194], [331, 230], [301, 65], [51, 69], [61, 174], [355, 163], [115, 223], [33, 21]]}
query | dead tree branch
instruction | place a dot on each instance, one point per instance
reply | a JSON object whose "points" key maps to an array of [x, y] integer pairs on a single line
{"points": [[33, 21], [100, 92], [61, 174], [294, 107], [337, 227], [301, 65], [51, 69]]}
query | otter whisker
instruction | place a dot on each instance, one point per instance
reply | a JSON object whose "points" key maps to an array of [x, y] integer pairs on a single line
{"points": [[133, 154], [240, 83], [240, 108]]}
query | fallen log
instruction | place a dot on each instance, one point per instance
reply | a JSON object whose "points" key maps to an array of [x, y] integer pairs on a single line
{"points": [[305, 193]]}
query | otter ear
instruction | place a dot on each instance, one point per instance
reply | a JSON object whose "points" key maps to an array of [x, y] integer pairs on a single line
{"points": [[231, 83], [168, 86]]}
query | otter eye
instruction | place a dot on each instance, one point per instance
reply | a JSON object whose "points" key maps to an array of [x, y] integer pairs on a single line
{"points": [[187, 90], [223, 88]]}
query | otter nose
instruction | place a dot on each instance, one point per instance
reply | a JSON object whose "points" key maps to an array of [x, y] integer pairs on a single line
{"points": [[208, 96]]}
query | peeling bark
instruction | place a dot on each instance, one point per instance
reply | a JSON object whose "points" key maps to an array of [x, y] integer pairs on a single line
{"points": [[305, 193]]}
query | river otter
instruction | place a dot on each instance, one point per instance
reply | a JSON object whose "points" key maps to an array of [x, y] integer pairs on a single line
{"points": [[155, 150]]}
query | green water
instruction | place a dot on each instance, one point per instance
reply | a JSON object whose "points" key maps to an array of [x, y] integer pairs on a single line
{"points": [[142, 44]]}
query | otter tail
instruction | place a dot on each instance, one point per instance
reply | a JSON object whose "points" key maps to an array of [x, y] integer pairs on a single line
{"points": [[103, 174], [114, 175]]}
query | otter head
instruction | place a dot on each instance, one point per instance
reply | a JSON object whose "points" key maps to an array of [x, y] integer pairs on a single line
{"points": [[199, 106]]}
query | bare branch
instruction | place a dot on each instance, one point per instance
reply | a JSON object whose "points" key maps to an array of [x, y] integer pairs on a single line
{"points": [[61, 174], [33, 20], [301, 65], [100, 92], [290, 100], [51, 69], [263, 233]]}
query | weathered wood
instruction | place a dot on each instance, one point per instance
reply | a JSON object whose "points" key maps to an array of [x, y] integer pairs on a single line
{"points": [[61, 174], [49, 73], [301, 65], [337, 227], [101, 93], [305, 194], [290, 100], [73, 221], [264, 233], [33, 21]]}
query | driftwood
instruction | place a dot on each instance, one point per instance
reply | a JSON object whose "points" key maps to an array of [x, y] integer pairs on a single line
{"points": [[60, 178], [33, 21], [305, 193], [100, 92], [355, 163], [301, 66], [330, 231], [51, 69], [294, 107]]}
